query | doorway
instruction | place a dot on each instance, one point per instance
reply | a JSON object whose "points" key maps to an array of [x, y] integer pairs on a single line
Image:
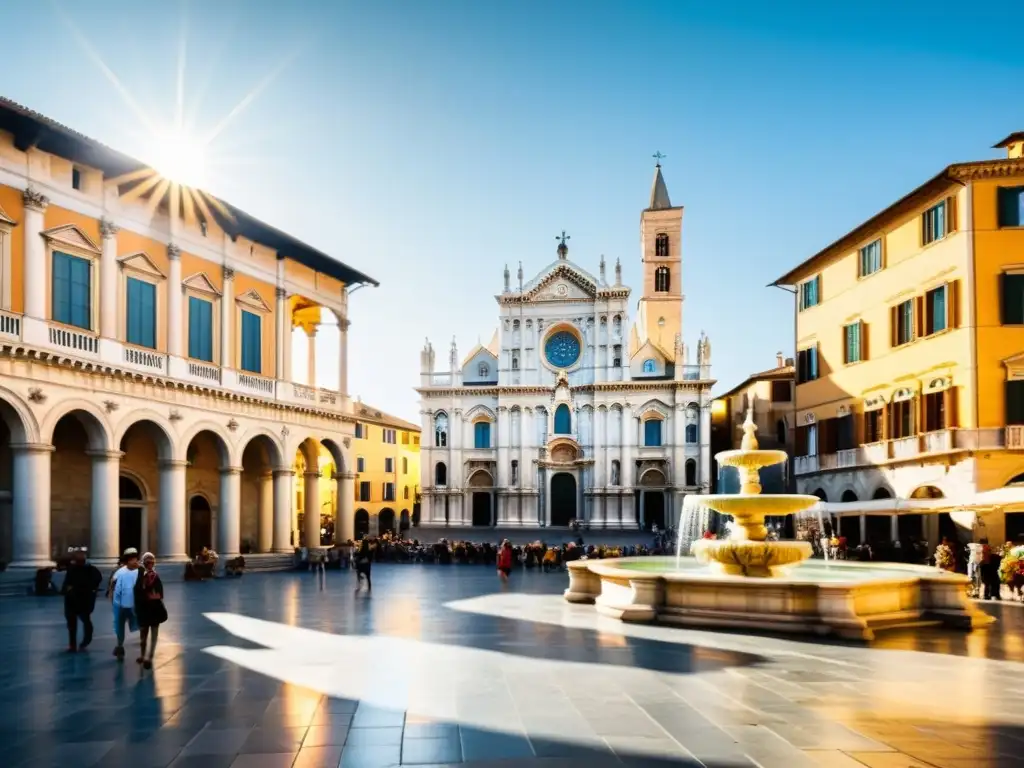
{"points": [[385, 521], [361, 528], [654, 510], [200, 525], [130, 515], [563, 499], [481, 509]]}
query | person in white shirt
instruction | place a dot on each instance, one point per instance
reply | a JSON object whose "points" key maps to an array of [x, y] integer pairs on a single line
{"points": [[123, 595]]}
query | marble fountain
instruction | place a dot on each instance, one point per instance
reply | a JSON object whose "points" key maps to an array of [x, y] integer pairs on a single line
{"points": [[749, 582]]}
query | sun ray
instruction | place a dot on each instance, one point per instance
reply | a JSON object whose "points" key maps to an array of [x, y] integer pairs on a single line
{"points": [[222, 209], [179, 113], [126, 178], [188, 206], [158, 195], [203, 207], [136, 192]]}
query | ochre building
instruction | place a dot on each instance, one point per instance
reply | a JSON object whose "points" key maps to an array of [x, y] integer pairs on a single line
{"points": [[146, 388]]}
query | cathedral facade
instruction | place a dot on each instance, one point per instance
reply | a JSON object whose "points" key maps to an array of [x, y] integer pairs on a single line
{"points": [[574, 412]]}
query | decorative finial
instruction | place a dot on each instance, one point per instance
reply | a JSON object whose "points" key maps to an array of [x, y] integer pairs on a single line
{"points": [[749, 442], [506, 279], [602, 268], [563, 249], [658, 157], [618, 271]]}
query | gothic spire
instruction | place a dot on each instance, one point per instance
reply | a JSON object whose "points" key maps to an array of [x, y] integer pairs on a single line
{"points": [[659, 191]]}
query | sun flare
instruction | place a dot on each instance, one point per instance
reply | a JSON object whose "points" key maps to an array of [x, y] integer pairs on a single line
{"points": [[180, 158]]}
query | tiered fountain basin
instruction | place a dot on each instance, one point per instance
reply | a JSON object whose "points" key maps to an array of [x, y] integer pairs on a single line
{"points": [[846, 599]]}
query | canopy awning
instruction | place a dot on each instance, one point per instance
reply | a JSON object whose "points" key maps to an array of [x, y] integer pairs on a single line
{"points": [[1010, 498]]}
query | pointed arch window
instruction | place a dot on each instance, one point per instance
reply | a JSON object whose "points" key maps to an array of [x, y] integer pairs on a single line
{"points": [[661, 245], [441, 430], [662, 279], [563, 420]]}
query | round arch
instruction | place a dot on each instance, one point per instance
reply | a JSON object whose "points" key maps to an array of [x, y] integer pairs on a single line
{"points": [[222, 441], [849, 495], [92, 419], [481, 478], [337, 453], [20, 421], [927, 492], [1016, 479], [820, 493], [881, 492], [266, 438], [361, 524], [386, 521], [653, 477], [653, 409], [310, 450], [156, 425]]}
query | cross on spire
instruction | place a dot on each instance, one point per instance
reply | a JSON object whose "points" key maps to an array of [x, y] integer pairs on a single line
{"points": [[563, 237], [658, 157]]}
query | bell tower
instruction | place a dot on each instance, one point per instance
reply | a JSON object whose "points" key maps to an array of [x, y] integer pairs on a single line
{"points": [[660, 316]]}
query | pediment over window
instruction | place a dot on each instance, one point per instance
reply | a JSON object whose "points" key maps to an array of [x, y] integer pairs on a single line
{"points": [[6, 220], [71, 236], [1014, 366], [200, 283], [252, 300], [142, 264]]}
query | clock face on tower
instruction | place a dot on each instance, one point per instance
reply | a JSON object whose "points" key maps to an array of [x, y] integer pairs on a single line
{"points": [[562, 349]]}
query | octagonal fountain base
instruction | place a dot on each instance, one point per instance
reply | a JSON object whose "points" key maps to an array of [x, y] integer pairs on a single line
{"points": [[845, 599]]}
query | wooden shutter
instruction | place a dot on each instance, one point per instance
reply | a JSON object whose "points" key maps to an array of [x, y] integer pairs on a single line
{"points": [[863, 340], [951, 214], [952, 407], [918, 317], [893, 326], [953, 304]]}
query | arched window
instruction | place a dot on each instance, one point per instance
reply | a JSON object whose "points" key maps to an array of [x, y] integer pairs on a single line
{"points": [[615, 472], [406, 492], [691, 473], [691, 433], [441, 430], [563, 420], [650, 366], [661, 245], [440, 474], [515, 359], [661, 279], [515, 472], [652, 433], [483, 371], [482, 434]]}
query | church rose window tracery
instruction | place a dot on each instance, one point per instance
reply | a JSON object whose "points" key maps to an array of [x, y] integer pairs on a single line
{"points": [[562, 349]]}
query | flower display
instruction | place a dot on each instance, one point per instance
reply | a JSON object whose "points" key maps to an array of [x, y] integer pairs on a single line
{"points": [[1011, 569], [944, 557]]}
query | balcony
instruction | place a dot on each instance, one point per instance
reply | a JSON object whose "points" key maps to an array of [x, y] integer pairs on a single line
{"points": [[257, 385], [874, 453], [906, 447], [10, 325], [146, 360], [76, 342], [938, 441], [1015, 437], [805, 465], [847, 458]]}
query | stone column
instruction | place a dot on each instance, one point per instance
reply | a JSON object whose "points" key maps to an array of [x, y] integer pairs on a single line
{"points": [[108, 282], [311, 499], [863, 528], [227, 320], [283, 477], [504, 459], [283, 332], [705, 444], [229, 530], [311, 357], [171, 515], [346, 527], [104, 544], [265, 525], [343, 325], [600, 441], [35, 269], [894, 527], [30, 502], [626, 470], [175, 298]]}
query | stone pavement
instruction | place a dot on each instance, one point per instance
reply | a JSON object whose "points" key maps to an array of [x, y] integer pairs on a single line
{"points": [[440, 667]]}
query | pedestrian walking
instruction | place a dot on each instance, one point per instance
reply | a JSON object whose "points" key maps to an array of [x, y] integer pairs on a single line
{"points": [[149, 607], [364, 562], [505, 561], [81, 582], [123, 598]]}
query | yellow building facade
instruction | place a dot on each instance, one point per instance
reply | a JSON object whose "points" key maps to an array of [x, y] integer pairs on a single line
{"points": [[147, 396], [910, 354]]}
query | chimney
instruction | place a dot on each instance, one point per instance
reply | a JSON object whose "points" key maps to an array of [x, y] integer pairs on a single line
{"points": [[1013, 144], [779, 360], [789, 361]]}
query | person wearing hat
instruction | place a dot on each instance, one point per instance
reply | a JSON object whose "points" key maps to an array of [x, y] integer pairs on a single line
{"points": [[80, 585], [123, 596]]}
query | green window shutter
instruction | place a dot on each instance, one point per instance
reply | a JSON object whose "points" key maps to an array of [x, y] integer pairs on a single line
{"points": [[61, 287], [1011, 200], [80, 292], [251, 343], [1012, 295]]}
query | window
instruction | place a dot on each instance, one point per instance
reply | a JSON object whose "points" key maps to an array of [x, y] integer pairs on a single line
{"points": [[515, 359], [405, 438], [853, 346], [405, 466], [691, 473], [652, 432], [359, 430], [871, 258], [661, 245], [903, 323], [935, 223], [389, 464], [76, 179], [140, 325], [936, 310], [440, 474], [1011, 206], [389, 436], [482, 434], [810, 293], [691, 433], [616, 356], [563, 420], [782, 391], [806, 365], [483, 371], [650, 366], [72, 290], [662, 279], [934, 411], [515, 472], [203, 227], [845, 433], [441, 430], [252, 342], [415, 439], [615, 472], [1015, 402], [873, 421], [405, 492], [200, 329], [389, 491], [364, 491], [1012, 295], [360, 464], [902, 418]]}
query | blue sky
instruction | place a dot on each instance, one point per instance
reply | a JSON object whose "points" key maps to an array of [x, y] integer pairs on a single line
{"points": [[429, 144]]}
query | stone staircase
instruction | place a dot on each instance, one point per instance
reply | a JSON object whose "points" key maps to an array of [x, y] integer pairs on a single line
{"points": [[269, 562]]}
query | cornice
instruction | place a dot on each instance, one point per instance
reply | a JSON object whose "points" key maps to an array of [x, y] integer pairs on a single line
{"points": [[703, 385], [990, 169]]}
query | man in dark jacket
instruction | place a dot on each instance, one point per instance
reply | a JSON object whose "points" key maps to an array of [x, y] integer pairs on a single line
{"points": [[79, 590]]}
